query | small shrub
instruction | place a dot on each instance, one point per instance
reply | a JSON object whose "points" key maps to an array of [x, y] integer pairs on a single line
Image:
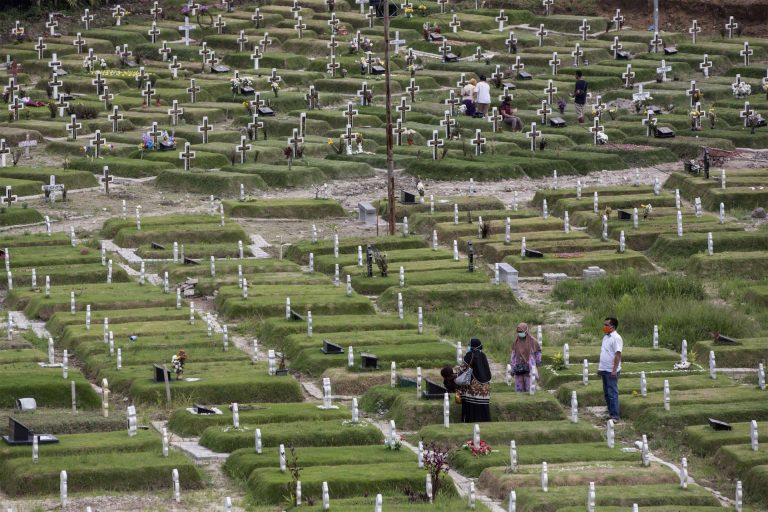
{"points": [[83, 111]]}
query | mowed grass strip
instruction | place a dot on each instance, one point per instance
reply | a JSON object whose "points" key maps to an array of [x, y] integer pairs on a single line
{"points": [[523, 432], [300, 433], [704, 440], [186, 424]]}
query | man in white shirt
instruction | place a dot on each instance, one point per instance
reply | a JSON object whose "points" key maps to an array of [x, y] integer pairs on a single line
{"points": [[610, 365], [483, 94]]}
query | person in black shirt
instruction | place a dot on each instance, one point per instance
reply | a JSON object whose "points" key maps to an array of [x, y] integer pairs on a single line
{"points": [[580, 95]]}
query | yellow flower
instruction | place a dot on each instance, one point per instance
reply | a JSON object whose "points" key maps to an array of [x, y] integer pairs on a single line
{"points": [[330, 142]]}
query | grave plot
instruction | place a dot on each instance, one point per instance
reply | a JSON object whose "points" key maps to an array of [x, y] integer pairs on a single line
{"points": [[735, 188]]}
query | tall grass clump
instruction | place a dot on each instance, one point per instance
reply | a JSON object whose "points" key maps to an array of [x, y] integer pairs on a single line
{"points": [[677, 304]]}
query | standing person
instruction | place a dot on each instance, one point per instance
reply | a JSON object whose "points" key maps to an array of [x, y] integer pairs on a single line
{"points": [[483, 95], [580, 95], [525, 359], [610, 366], [468, 97], [476, 398]]}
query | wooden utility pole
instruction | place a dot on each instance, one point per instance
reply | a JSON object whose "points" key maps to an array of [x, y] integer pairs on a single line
{"points": [[390, 140]]}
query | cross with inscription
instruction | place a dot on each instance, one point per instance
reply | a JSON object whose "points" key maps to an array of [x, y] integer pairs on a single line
{"points": [[542, 33], [518, 65], [156, 11], [694, 30], [533, 135], [106, 179], [371, 16], [78, 43], [148, 92], [193, 90], [747, 52], [255, 125], [243, 148], [577, 54], [455, 24], [4, 152], [618, 20], [73, 126], [550, 91], [187, 156], [51, 25], [511, 43], [174, 66], [153, 32], [257, 17], [9, 198], [649, 122], [398, 131], [656, 42], [693, 92], [554, 63], [447, 122], [350, 114], [584, 29], [242, 39], [704, 65], [220, 24], [494, 118], [106, 97], [299, 26], [313, 98], [478, 141], [746, 113], [452, 101], [628, 76], [294, 140], [87, 18], [115, 117], [403, 107], [616, 47], [731, 26], [501, 19], [97, 143], [204, 128], [435, 143], [165, 52], [544, 111], [174, 112], [596, 129], [15, 106], [40, 47], [363, 93]]}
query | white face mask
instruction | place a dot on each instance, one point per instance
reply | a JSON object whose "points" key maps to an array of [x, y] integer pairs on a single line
{"points": [[521, 335]]}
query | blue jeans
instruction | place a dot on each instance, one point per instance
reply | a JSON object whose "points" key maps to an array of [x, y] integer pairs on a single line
{"points": [[611, 392]]}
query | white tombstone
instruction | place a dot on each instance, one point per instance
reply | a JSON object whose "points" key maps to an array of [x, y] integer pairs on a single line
{"points": [[65, 364], [532, 386], [326, 497], [666, 394], [656, 337], [722, 213], [63, 488], [336, 275], [753, 435], [761, 376], [645, 452], [165, 442], [622, 242], [176, 485], [574, 408], [434, 240], [712, 365], [350, 357], [255, 351], [512, 502], [420, 315], [132, 426], [684, 351], [455, 213], [402, 277], [513, 455], [710, 244], [270, 362], [472, 496], [309, 324], [610, 434], [635, 219], [566, 354], [508, 375], [311, 262], [142, 274], [235, 415], [287, 308], [355, 411], [429, 487], [446, 411], [420, 455], [34, 279], [684, 473], [257, 441], [379, 503], [643, 385], [679, 223], [544, 478], [459, 353], [245, 288], [591, 498], [336, 246], [738, 502], [585, 373], [298, 493], [455, 250], [282, 458], [566, 223], [392, 374], [400, 311]]}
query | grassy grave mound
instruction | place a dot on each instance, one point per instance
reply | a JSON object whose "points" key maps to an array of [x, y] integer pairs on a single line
{"points": [[68, 274], [238, 381], [467, 297], [730, 264], [20, 187], [463, 461], [279, 175], [19, 216], [552, 377], [202, 160], [61, 320], [756, 484], [182, 233], [420, 278], [744, 353], [118, 166], [633, 406], [274, 331], [285, 208], [411, 413], [270, 486], [112, 226], [587, 193], [252, 268], [87, 443], [425, 222], [101, 472], [241, 463], [443, 204], [704, 440], [327, 263], [328, 303], [573, 264], [62, 421], [300, 433], [201, 181], [34, 239], [451, 231], [454, 169], [194, 251], [299, 252], [71, 179], [45, 385], [53, 255], [681, 416], [185, 424], [668, 247], [737, 459], [523, 432]]}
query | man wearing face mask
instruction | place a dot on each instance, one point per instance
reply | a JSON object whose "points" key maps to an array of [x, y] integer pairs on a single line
{"points": [[610, 366]]}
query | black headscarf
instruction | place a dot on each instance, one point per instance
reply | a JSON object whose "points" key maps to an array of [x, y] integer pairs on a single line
{"points": [[477, 360]]}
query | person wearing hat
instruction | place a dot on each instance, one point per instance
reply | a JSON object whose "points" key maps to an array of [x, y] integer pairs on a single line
{"points": [[476, 397], [468, 97]]}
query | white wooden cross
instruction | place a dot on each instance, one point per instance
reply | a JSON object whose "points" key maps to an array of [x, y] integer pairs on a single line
{"points": [[704, 65], [628, 76], [115, 117], [518, 65], [55, 82], [497, 74], [296, 9], [533, 134], [550, 91], [362, 93], [554, 63], [452, 101], [242, 39], [153, 32], [618, 19], [265, 41], [494, 118], [542, 33], [649, 122], [403, 107], [257, 17], [174, 112], [11, 89], [243, 148], [746, 113], [351, 112], [695, 29], [442, 5], [255, 125], [118, 12], [747, 52], [544, 111], [256, 56], [186, 28], [511, 43], [40, 47], [398, 132], [148, 92], [616, 47], [156, 11], [165, 52], [371, 16], [9, 198], [73, 126], [193, 90], [447, 122], [692, 92], [663, 70], [187, 155], [640, 95], [97, 143], [596, 129], [106, 97], [362, 4], [435, 143], [731, 26], [220, 24], [455, 24], [478, 142], [397, 41], [106, 179], [87, 18], [332, 66], [656, 42], [51, 25], [300, 27], [412, 89], [15, 106], [294, 140], [584, 29], [501, 19], [4, 151], [204, 128], [577, 54], [547, 5], [174, 66], [333, 23]]}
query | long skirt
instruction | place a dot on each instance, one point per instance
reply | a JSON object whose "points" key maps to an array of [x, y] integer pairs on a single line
{"points": [[476, 403]]}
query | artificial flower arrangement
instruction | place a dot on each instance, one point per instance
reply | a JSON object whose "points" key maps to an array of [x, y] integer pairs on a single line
{"points": [[237, 84], [742, 90], [481, 449]]}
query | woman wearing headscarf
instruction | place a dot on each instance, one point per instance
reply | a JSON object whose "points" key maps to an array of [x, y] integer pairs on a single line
{"points": [[526, 357], [476, 397]]}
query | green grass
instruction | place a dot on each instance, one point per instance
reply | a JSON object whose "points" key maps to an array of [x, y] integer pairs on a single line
{"points": [[112, 226], [745, 353], [468, 297], [274, 331], [443, 204], [252, 269], [573, 264], [185, 424], [101, 472], [195, 251], [241, 463], [199, 181], [118, 166], [326, 263], [729, 265], [62, 421], [19, 216], [704, 440], [46, 385], [67, 274], [299, 252], [53, 255], [522, 432], [681, 416], [71, 179], [34, 240], [187, 233], [73, 445], [418, 278], [737, 459], [634, 406], [285, 208], [755, 484], [300, 433]]}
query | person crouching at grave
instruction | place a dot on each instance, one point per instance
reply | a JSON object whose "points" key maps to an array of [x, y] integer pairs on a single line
{"points": [[509, 115], [476, 397], [178, 360], [468, 97], [525, 359]]}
